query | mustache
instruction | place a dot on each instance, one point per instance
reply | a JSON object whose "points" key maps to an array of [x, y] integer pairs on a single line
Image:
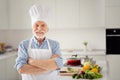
{"points": [[40, 31]]}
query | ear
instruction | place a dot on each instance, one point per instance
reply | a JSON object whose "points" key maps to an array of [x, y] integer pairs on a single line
{"points": [[47, 29]]}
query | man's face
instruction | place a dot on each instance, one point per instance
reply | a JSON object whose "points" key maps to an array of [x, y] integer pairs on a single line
{"points": [[39, 29]]}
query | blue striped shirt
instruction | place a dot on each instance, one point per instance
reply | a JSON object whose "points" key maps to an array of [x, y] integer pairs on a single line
{"points": [[23, 51]]}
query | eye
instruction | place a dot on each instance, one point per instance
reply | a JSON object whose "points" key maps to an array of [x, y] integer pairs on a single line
{"points": [[37, 25], [43, 25]]}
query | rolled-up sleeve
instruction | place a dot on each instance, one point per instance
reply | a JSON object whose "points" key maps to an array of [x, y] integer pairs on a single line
{"points": [[56, 50], [22, 56], [59, 62]]}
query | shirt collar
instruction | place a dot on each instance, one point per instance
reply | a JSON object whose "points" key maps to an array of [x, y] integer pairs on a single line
{"points": [[36, 41]]}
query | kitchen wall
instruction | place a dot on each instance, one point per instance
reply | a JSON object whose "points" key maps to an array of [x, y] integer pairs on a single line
{"points": [[2, 36], [68, 38]]}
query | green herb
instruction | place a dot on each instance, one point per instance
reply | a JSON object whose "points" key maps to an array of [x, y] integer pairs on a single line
{"points": [[70, 69]]}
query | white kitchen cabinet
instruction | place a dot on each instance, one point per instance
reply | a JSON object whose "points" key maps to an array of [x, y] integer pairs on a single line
{"points": [[19, 14], [112, 14], [2, 69], [11, 72], [3, 14], [7, 70], [92, 13], [67, 14], [114, 66], [112, 17], [112, 2]]}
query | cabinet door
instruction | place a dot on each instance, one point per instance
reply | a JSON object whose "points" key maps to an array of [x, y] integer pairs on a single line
{"points": [[114, 66], [67, 12], [112, 14], [3, 69], [113, 17], [112, 2], [92, 13], [3, 14], [11, 72], [19, 14]]}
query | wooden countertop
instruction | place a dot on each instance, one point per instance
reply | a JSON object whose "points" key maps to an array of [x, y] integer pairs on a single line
{"points": [[64, 71]]}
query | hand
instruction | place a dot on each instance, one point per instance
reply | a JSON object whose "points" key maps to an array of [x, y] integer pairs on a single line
{"points": [[55, 56], [30, 60]]}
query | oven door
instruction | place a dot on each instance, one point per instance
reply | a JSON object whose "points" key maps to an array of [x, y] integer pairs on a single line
{"points": [[113, 43]]}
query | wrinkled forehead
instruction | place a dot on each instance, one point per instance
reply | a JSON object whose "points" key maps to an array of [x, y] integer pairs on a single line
{"points": [[40, 22]]}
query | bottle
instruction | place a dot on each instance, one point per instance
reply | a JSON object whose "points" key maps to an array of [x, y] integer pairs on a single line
{"points": [[85, 46]]}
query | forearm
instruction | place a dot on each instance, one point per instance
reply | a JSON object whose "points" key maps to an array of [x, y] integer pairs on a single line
{"points": [[48, 64], [29, 69]]}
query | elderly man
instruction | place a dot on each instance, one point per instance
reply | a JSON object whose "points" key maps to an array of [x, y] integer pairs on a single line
{"points": [[39, 58]]}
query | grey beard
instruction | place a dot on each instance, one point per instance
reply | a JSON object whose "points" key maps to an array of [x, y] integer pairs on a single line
{"points": [[39, 36]]}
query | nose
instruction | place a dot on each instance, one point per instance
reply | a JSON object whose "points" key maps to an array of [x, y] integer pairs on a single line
{"points": [[39, 27]]}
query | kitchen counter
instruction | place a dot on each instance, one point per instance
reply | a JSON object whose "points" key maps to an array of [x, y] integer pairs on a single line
{"points": [[96, 55], [82, 53], [8, 54], [105, 71]]}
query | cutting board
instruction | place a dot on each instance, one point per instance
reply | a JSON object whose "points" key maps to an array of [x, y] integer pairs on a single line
{"points": [[65, 72]]}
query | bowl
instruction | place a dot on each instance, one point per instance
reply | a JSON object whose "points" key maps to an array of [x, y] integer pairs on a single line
{"points": [[73, 61]]}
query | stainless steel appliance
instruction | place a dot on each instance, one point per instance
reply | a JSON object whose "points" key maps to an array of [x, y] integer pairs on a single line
{"points": [[113, 41]]}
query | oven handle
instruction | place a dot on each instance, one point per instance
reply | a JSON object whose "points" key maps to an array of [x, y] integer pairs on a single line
{"points": [[113, 35]]}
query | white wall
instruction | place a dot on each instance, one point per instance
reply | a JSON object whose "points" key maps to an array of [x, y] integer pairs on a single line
{"points": [[2, 36], [13, 37], [74, 38], [68, 38]]}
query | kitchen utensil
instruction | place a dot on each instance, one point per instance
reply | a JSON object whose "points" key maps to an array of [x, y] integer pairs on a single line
{"points": [[88, 59]]}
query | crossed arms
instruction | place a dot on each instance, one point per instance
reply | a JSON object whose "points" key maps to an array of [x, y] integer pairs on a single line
{"points": [[39, 66]]}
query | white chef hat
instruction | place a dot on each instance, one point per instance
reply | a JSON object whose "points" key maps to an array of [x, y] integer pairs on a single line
{"points": [[39, 12]]}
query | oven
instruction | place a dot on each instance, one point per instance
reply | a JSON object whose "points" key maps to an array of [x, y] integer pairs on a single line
{"points": [[113, 41]]}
